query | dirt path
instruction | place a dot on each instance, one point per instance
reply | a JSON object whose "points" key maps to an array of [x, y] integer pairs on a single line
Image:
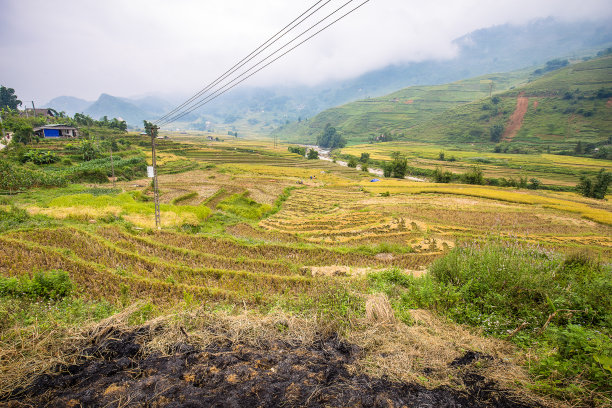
{"points": [[115, 373], [516, 120]]}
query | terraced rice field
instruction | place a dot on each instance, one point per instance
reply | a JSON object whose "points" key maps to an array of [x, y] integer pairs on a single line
{"points": [[108, 262], [332, 219]]}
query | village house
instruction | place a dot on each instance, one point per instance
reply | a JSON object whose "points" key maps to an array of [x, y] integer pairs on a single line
{"points": [[56, 131], [38, 112]]}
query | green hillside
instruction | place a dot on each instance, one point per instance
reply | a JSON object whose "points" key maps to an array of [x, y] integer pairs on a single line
{"points": [[367, 119], [559, 110]]}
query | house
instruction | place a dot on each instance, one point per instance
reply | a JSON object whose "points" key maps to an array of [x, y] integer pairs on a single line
{"points": [[56, 131], [48, 112]]}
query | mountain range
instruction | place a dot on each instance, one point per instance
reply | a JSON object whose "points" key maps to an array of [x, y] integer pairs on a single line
{"points": [[495, 49]]}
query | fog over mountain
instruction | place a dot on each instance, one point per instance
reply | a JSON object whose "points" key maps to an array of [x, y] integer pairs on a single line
{"points": [[495, 49]]}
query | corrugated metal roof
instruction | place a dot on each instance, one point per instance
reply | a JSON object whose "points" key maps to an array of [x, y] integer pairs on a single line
{"points": [[55, 126]]}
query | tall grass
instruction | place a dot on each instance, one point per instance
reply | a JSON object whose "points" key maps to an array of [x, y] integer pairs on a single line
{"points": [[559, 306]]}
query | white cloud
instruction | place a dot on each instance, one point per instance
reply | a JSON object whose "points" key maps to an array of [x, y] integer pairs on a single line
{"points": [[83, 48]]}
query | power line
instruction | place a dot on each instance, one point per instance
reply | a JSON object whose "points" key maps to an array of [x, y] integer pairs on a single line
{"points": [[248, 58], [219, 92], [267, 57]]}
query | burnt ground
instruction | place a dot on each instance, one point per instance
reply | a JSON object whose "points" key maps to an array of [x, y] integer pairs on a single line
{"points": [[115, 372]]}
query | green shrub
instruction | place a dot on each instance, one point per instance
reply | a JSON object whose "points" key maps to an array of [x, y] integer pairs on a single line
{"points": [[39, 157], [52, 285], [474, 176]]}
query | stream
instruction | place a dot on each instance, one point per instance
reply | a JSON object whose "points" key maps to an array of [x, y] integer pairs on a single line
{"points": [[324, 155]]}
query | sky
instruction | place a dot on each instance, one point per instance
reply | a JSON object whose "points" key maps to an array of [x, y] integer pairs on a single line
{"points": [[132, 48]]}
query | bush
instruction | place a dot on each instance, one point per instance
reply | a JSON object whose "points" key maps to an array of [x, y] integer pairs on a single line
{"points": [[312, 154], [352, 163], [39, 157], [441, 176], [496, 132], [597, 188], [474, 176], [15, 178], [53, 285], [297, 150]]}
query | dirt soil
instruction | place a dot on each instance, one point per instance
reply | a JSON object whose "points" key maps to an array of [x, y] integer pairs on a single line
{"points": [[115, 372], [516, 120]]}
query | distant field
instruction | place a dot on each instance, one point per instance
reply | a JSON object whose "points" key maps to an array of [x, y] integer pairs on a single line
{"points": [[549, 168]]}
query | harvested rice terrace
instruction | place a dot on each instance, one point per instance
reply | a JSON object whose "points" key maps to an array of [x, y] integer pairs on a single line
{"points": [[225, 156], [108, 262]]}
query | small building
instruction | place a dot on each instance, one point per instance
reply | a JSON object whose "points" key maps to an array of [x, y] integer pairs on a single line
{"points": [[56, 131], [48, 112]]}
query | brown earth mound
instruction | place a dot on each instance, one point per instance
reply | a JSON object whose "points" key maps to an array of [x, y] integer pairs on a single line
{"points": [[115, 372]]}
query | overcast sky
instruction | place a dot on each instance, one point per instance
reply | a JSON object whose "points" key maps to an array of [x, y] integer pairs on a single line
{"points": [[135, 47]]}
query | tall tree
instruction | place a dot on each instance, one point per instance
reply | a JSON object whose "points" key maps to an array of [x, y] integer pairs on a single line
{"points": [[8, 99], [330, 138]]}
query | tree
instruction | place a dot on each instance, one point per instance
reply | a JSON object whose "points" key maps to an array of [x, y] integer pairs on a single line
{"points": [[23, 133], [8, 99], [312, 154], [365, 157], [364, 166], [330, 138], [352, 162], [579, 149], [474, 176], [597, 188], [89, 150], [534, 183], [399, 166], [387, 169], [496, 132]]}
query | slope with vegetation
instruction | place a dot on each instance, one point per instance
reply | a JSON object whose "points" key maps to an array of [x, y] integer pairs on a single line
{"points": [[563, 108], [267, 261], [388, 117]]}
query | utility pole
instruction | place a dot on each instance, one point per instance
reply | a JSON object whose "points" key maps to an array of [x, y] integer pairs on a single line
{"points": [[33, 108], [152, 131]]}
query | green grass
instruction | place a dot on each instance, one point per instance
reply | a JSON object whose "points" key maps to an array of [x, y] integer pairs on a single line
{"points": [[126, 202], [556, 305], [242, 206]]}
